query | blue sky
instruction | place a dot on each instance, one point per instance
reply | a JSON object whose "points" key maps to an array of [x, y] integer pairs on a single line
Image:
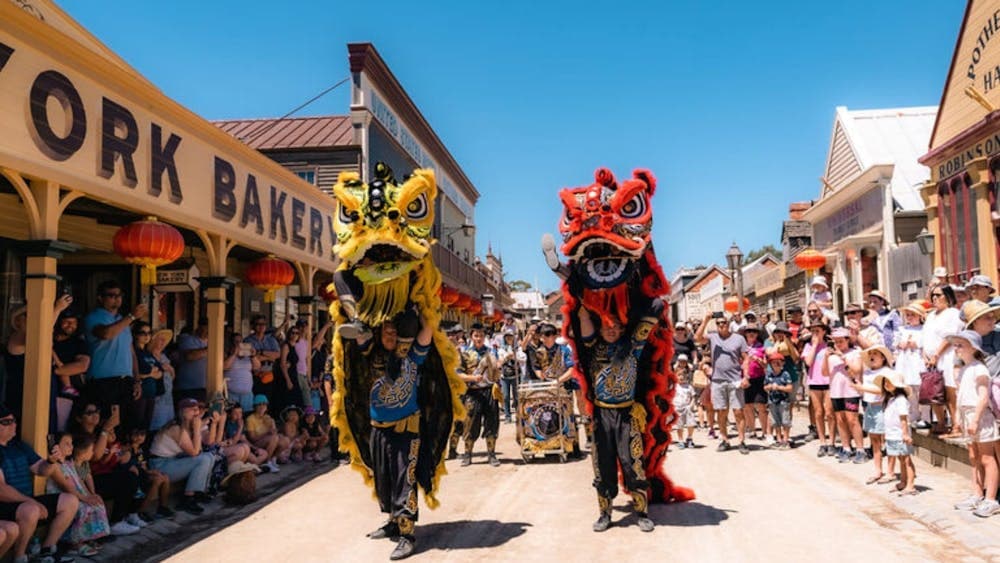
{"points": [[730, 104]]}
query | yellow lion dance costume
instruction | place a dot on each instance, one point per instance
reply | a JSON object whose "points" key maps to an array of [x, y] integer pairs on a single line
{"points": [[383, 242]]}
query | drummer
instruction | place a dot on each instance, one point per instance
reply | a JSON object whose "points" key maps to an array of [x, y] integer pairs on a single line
{"points": [[550, 360], [611, 358], [480, 371]]}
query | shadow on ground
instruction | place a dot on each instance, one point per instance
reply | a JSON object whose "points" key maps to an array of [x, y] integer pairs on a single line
{"points": [[686, 514], [468, 534]]}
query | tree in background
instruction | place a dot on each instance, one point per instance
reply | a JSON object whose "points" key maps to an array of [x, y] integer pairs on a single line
{"points": [[519, 285], [758, 252]]}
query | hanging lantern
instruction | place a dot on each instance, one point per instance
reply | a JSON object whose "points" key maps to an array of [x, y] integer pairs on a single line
{"points": [[809, 260], [498, 316], [270, 274], [475, 307], [448, 295], [328, 293], [148, 243], [463, 302], [732, 304]]}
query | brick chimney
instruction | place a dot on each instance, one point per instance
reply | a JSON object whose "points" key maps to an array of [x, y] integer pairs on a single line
{"points": [[796, 209]]}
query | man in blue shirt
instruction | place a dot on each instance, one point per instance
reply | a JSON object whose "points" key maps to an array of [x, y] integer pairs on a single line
{"points": [[394, 359], [611, 357], [18, 464], [109, 339]]}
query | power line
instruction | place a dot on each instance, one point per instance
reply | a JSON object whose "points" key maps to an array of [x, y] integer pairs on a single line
{"points": [[254, 135]]}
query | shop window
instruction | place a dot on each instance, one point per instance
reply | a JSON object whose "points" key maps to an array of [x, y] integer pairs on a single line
{"points": [[307, 175], [959, 231]]}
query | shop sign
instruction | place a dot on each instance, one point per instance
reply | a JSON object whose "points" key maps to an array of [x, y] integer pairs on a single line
{"points": [[850, 219], [985, 147], [771, 279], [384, 114], [180, 279], [76, 126]]}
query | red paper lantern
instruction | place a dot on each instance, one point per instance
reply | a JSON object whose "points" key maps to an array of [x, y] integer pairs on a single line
{"points": [[270, 274], [732, 304], [809, 260], [463, 302], [148, 243], [498, 316], [448, 295], [475, 307]]}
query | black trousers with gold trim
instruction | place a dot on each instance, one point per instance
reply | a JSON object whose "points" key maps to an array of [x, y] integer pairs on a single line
{"points": [[617, 438], [394, 463], [483, 417]]}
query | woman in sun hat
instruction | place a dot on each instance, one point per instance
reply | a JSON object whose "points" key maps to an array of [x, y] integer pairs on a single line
{"points": [[842, 365], [908, 343], [978, 425], [942, 321]]}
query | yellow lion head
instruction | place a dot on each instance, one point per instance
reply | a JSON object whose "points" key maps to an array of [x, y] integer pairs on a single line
{"points": [[383, 228]]}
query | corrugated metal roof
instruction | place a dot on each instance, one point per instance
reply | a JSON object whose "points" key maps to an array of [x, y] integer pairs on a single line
{"points": [[292, 132], [896, 136]]}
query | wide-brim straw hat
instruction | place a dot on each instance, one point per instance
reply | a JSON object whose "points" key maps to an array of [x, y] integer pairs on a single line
{"points": [[895, 381], [974, 309], [237, 467], [915, 307], [970, 336], [890, 359], [165, 333]]}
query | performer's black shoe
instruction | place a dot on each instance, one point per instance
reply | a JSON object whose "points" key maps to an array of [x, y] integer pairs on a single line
{"points": [[388, 530], [452, 453], [645, 524], [354, 330], [603, 523], [467, 459], [404, 548], [492, 458]]}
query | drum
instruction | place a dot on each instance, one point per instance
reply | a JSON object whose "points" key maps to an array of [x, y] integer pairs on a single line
{"points": [[545, 422]]}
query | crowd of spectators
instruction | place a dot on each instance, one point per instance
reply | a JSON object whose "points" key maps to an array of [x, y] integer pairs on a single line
{"points": [[871, 369], [131, 421]]}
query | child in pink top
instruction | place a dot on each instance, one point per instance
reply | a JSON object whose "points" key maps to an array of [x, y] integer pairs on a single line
{"points": [[842, 364]]}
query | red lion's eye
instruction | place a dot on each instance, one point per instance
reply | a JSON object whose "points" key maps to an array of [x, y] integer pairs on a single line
{"points": [[635, 207]]}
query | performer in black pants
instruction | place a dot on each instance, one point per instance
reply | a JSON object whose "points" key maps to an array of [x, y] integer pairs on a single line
{"points": [[480, 372], [394, 360], [612, 357]]}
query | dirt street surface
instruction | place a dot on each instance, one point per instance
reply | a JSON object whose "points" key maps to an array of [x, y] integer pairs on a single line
{"points": [[768, 505]]}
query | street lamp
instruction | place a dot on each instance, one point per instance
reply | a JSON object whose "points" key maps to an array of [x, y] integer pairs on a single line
{"points": [[734, 258], [488, 300], [925, 240], [467, 229]]}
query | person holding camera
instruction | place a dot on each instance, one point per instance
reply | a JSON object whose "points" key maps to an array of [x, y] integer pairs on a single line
{"points": [[728, 351]]}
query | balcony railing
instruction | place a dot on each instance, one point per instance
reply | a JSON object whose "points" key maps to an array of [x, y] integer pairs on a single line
{"points": [[457, 272]]}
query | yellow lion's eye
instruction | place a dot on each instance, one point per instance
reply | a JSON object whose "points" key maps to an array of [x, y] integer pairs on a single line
{"points": [[418, 208]]}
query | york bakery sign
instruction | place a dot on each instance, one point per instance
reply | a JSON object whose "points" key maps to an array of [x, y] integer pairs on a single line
{"points": [[67, 126]]}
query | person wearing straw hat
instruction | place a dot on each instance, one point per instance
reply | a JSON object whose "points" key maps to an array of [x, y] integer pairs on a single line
{"points": [[842, 364], [878, 363], [977, 423], [982, 318], [821, 296], [980, 288], [908, 343], [898, 437]]}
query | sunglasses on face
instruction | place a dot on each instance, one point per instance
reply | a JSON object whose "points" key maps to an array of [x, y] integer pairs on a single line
{"points": [[144, 333], [89, 412], [548, 334], [937, 294], [7, 421]]}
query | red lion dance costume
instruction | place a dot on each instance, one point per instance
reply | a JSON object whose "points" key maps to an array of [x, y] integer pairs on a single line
{"points": [[613, 274]]}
